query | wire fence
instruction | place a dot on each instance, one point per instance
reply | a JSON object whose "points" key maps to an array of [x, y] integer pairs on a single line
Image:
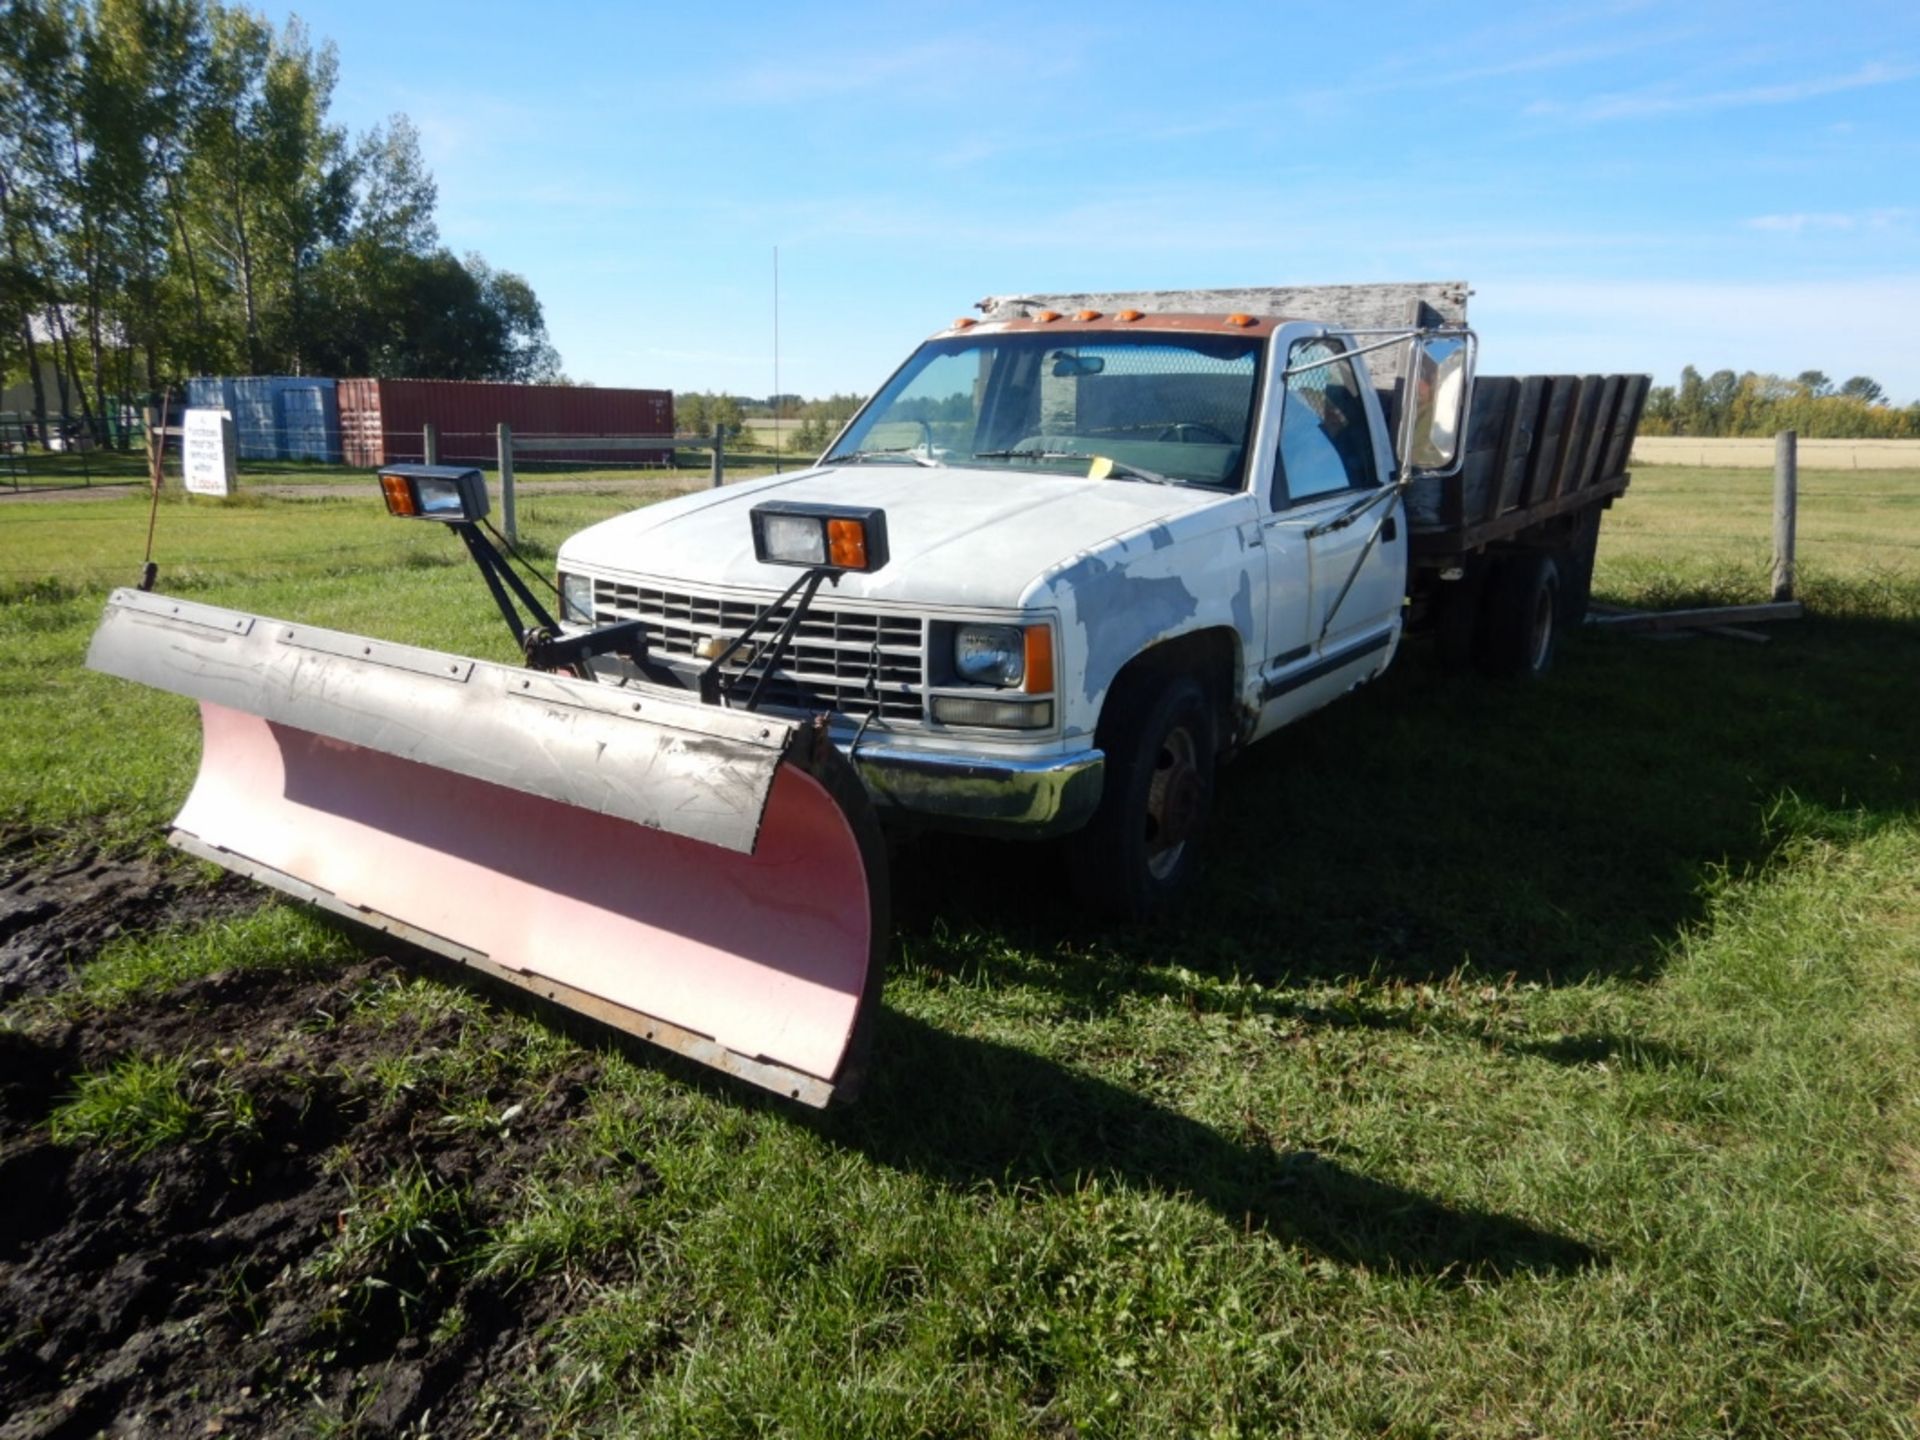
{"points": [[33, 460]]}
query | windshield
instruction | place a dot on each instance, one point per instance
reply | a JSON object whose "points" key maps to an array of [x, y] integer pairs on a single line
{"points": [[1159, 406]]}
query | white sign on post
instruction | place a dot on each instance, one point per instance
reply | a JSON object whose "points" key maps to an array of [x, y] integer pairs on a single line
{"points": [[208, 452]]}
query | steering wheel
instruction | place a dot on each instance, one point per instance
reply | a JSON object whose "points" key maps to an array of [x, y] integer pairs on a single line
{"points": [[1191, 432]]}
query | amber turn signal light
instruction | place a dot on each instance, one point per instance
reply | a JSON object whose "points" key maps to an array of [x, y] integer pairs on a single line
{"points": [[847, 544], [454, 494], [399, 495], [1039, 660]]}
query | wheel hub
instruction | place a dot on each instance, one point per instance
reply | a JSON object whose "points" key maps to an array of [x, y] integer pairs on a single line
{"points": [[1174, 801], [1540, 635]]}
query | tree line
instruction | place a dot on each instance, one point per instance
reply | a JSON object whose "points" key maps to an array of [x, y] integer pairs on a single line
{"points": [[176, 201], [812, 423], [1724, 403]]}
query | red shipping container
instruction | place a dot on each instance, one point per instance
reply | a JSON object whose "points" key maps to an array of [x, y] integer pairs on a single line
{"points": [[381, 420]]}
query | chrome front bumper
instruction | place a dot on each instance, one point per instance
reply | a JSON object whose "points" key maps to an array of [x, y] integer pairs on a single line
{"points": [[1026, 799]]}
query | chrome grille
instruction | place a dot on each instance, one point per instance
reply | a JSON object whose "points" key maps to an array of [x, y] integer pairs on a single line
{"points": [[857, 662]]}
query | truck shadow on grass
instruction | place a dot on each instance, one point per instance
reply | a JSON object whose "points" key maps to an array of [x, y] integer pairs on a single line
{"points": [[1553, 832], [973, 1113]]}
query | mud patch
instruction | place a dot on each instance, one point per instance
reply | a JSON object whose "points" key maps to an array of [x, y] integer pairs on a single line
{"points": [[55, 914], [217, 1285], [259, 1278]]}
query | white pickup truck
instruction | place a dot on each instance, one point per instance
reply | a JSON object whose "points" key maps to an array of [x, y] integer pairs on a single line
{"points": [[1126, 536], [1073, 555]]}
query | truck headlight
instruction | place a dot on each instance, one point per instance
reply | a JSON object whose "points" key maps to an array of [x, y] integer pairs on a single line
{"points": [[576, 598], [990, 654]]}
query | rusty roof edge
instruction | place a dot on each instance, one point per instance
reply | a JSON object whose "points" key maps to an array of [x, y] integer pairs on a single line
{"points": [[1386, 304]]}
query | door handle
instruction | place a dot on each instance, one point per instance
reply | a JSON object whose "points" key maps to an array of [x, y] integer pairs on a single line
{"points": [[1389, 532]]}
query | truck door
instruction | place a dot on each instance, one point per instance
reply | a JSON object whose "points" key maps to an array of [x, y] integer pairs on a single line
{"points": [[1332, 455]]}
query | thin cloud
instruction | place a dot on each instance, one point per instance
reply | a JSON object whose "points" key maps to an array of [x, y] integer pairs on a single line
{"points": [[1644, 103], [1800, 221], [1426, 71], [945, 62]]}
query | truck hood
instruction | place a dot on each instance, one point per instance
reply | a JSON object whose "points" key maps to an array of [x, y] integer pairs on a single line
{"points": [[957, 536]]}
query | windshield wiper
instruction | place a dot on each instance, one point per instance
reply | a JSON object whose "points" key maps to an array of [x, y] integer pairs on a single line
{"points": [[1137, 472], [1115, 467], [901, 452]]}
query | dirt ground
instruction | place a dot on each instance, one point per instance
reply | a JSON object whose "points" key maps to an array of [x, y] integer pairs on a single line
{"points": [[57, 912], [175, 1292]]}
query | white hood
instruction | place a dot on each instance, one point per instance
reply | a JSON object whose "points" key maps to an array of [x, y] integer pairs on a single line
{"points": [[955, 536]]}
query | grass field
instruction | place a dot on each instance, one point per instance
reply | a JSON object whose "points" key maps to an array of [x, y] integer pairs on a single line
{"points": [[1537, 1061]]}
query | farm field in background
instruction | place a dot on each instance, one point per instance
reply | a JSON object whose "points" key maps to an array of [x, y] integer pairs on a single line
{"points": [[1537, 1060]]}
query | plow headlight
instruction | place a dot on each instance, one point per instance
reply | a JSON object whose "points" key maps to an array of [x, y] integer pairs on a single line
{"points": [[790, 532], [450, 493]]}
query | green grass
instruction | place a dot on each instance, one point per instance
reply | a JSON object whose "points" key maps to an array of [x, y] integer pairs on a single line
{"points": [[392, 1235], [141, 1103], [133, 966], [1538, 1060], [1684, 534]]}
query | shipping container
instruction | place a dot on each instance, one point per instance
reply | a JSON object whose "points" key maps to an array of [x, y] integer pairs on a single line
{"points": [[381, 420], [275, 417]]}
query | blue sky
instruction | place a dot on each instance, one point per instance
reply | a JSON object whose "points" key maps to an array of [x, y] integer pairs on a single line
{"points": [[1627, 185]]}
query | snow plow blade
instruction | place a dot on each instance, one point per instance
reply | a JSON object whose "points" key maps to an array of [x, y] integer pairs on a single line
{"points": [[710, 880]]}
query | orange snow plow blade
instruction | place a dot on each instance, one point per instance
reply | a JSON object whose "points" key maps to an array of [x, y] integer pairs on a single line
{"points": [[707, 879]]}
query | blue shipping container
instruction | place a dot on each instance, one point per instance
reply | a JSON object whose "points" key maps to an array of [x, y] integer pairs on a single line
{"points": [[275, 417]]}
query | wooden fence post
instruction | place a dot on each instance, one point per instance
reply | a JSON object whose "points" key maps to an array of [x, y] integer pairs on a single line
{"points": [[430, 444], [1786, 497], [156, 443], [719, 455], [507, 516]]}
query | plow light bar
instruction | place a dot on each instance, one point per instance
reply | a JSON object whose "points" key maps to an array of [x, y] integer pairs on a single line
{"points": [[832, 537], [456, 494]]}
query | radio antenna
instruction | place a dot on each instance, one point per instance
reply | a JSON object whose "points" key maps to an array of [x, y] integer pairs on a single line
{"points": [[776, 359]]}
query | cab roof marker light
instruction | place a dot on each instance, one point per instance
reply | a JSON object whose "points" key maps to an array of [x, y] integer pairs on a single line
{"points": [[965, 322], [1241, 320], [1130, 315], [1047, 317], [1088, 315]]}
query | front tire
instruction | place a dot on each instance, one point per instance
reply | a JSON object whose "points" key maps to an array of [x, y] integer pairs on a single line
{"points": [[1139, 853]]}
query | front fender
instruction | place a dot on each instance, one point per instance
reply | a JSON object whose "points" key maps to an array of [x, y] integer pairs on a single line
{"points": [[1127, 596]]}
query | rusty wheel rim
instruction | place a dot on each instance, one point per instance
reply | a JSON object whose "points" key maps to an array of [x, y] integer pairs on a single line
{"points": [[1173, 802]]}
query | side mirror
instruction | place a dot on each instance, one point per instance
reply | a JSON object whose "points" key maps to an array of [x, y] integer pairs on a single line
{"points": [[1433, 410]]}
